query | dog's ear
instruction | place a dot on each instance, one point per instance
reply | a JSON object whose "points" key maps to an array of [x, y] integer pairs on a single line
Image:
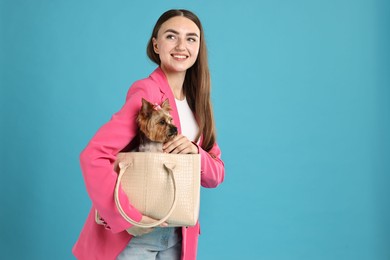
{"points": [[165, 105], [146, 108]]}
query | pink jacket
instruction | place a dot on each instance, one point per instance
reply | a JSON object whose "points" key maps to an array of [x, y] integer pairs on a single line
{"points": [[106, 242]]}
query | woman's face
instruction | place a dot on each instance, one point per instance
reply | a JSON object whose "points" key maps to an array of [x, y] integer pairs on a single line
{"points": [[177, 44]]}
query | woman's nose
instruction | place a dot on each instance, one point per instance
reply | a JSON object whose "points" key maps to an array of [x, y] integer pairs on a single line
{"points": [[180, 44]]}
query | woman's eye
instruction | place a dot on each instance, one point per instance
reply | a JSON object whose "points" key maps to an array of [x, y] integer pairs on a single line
{"points": [[170, 37], [191, 39]]}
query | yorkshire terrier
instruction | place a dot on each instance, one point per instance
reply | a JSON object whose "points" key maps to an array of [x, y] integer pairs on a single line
{"points": [[155, 126]]}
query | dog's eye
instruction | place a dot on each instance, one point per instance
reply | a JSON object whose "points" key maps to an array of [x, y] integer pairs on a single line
{"points": [[162, 122]]}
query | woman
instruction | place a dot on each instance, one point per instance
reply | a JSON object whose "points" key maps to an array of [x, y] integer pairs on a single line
{"points": [[177, 45]]}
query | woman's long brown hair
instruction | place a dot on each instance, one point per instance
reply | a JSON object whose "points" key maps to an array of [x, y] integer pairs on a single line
{"points": [[197, 83]]}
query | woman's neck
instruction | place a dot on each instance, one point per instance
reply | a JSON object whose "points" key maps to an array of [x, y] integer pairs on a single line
{"points": [[175, 81]]}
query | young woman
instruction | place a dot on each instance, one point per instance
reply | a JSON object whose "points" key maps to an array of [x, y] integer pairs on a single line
{"points": [[177, 45]]}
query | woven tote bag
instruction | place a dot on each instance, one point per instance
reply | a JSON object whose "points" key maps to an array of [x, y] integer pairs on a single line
{"points": [[162, 186]]}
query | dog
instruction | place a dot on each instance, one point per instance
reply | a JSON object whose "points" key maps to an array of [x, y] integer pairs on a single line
{"points": [[155, 126]]}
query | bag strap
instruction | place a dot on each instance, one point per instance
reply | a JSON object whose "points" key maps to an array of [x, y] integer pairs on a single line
{"points": [[123, 167]]}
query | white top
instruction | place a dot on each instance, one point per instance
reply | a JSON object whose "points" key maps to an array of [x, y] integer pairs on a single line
{"points": [[189, 126]]}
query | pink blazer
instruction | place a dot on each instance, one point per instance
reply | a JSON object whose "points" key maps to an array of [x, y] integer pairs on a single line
{"points": [[106, 242]]}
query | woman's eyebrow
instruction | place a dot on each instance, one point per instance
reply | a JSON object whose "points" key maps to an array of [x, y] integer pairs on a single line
{"points": [[177, 33]]}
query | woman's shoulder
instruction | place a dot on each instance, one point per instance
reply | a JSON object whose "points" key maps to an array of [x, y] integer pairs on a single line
{"points": [[147, 87]]}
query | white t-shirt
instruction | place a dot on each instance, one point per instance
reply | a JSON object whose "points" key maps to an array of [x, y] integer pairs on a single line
{"points": [[189, 126]]}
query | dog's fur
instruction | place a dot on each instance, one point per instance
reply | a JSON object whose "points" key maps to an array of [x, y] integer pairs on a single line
{"points": [[155, 126]]}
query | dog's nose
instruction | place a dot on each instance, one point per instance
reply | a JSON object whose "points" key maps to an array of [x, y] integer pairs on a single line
{"points": [[173, 130]]}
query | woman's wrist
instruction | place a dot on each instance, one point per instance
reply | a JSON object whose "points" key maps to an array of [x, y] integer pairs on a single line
{"points": [[196, 148]]}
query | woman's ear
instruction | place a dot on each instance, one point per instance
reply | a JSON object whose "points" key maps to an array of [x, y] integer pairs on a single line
{"points": [[155, 46]]}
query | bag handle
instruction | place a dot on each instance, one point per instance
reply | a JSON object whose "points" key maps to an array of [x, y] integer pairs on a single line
{"points": [[123, 166]]}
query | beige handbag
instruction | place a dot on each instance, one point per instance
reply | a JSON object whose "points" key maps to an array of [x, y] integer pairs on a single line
{"points": [[162, 186]]}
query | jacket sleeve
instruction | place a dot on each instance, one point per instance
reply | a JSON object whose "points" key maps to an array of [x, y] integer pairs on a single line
{"points": [[212, 167], [98, 157]]}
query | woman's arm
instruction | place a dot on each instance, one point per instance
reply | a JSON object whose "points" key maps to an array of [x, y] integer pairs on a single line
{"points": [[212, 167], [98, 157]]}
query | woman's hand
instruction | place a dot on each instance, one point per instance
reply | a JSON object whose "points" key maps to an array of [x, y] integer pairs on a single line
{"points": [[180, 144], [138, 231]]}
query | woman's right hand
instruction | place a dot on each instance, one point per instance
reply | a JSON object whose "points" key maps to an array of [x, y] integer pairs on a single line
{"points": [[138, 231]]}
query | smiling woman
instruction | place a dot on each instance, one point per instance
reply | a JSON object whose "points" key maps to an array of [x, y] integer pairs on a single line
{"points": [[196, 85], [177, 46]]}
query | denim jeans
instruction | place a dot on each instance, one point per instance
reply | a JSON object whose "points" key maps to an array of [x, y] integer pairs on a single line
{"points": [[161, 243]]}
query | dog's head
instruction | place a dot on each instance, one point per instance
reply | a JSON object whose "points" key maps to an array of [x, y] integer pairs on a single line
{"points": [[155, 122]]}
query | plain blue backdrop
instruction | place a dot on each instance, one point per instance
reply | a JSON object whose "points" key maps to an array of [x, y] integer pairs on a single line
{"points": [[301, 98]]}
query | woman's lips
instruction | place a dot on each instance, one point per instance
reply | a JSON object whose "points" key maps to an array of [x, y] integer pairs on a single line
{"points": [[179, 56]]}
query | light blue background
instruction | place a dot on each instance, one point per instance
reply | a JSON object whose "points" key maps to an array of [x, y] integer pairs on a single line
{"points": [[301, 98]]}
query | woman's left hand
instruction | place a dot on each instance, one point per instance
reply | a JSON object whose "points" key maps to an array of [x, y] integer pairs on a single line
{"points": [[180, 144]]}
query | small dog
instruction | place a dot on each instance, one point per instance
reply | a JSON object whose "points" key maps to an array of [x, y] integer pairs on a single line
{"points": [[155, 126]]}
